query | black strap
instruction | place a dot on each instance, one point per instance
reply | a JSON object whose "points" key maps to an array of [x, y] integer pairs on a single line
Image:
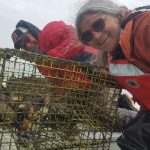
{"points": [[143, 7], [132, 16]]}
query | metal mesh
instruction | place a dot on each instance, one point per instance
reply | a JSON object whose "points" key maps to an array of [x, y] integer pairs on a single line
{"points": [[52, 104]]}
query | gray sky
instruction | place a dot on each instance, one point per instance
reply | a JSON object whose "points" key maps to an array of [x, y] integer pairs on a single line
{"points": [[40, 12]]}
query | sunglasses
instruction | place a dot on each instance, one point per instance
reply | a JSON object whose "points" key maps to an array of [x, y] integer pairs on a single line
{"points": [[96, 26]]}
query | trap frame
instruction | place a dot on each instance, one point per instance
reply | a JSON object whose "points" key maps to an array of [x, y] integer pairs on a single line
{"points": [[52, 104]]}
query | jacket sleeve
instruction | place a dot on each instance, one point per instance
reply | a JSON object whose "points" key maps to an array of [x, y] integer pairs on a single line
{"points": [[135, 41], [141, 43], [142, 38]]}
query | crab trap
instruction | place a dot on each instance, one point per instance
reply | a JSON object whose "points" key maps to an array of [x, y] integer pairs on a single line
{"points": [[52, 104]]}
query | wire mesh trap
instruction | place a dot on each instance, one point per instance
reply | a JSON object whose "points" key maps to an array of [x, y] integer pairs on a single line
{"points": [[52, 104]]}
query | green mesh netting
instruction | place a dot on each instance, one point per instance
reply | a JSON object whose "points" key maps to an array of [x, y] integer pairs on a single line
{"points": [[52, 104]]}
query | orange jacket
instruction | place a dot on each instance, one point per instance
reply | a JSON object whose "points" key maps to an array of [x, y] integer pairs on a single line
{"points": [[135, 41], [132, 68]]}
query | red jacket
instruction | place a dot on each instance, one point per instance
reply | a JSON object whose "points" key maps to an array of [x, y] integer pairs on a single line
{"points": [[60, 40]]}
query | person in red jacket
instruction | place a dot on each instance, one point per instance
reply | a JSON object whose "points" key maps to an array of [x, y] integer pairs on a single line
{"points": [[123, 36], [57, 39]]}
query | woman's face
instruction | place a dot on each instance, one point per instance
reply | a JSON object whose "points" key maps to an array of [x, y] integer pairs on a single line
{"points": [[100, 31], [30, 43]]}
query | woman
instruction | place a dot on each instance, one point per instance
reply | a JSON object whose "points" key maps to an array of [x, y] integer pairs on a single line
{"points": [[124, 35]]}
